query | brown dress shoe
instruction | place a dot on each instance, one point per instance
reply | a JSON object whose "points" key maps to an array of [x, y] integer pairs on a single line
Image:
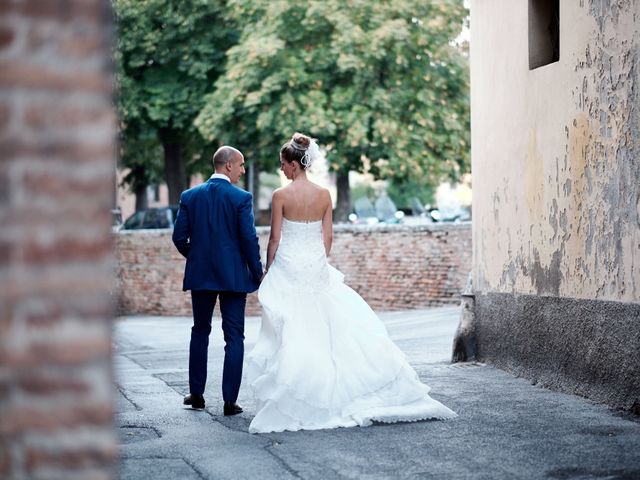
{"points": [[196, 401], [232, 408]]}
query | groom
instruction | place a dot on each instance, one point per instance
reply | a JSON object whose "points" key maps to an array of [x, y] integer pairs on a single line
{"points": [[215, 232]]}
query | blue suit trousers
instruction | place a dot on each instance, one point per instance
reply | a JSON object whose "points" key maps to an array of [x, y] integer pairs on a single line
{"points": [[232, 306]]}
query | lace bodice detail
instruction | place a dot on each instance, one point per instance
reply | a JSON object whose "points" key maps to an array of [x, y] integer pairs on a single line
{"points": [[301, 255], [301, 233]]}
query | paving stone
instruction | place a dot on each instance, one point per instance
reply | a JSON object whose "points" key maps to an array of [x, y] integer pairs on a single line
{"points": [[507, 428]]}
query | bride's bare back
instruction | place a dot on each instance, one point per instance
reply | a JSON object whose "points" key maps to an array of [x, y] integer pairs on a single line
{"points": [[300, 201], [304, 201]]}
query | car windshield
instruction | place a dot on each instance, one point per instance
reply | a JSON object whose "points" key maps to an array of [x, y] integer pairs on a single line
{"points": [[159, 218], [152, 218], [364, 208], [385, 208], [134, 221]]}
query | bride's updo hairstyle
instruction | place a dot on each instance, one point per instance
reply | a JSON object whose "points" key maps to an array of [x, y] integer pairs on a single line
{"points": [[301, 149]]}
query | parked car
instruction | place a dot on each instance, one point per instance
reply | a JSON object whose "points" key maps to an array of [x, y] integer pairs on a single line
{"points": [[387, 211], [384, 211], [429, 214], [151, 218], [365, 213], [452, 214]]}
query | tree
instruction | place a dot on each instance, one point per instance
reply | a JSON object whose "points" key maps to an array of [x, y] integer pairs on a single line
{"points": [[168, 57], [140, 153], [379, 83]]}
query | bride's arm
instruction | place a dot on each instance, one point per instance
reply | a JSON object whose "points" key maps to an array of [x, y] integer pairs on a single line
{"points": [[276, 226], [327, 224]]}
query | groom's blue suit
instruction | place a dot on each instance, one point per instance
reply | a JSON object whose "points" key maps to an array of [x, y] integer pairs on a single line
{"points": [[215, 231]]}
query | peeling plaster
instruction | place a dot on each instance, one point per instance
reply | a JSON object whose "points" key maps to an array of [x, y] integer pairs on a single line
{"points": [[496, 207], [546, 279], [614, 154], [602, 180], [553, 217], [564, 223], [573, 201]]}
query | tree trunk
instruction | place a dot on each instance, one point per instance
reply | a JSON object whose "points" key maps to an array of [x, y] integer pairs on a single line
{"points": [[343, 202], [255, 185], [140, 191], [174, 169], [138, 182]]}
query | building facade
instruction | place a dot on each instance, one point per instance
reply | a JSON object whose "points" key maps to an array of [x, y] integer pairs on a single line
{"points": [[555, 102]]}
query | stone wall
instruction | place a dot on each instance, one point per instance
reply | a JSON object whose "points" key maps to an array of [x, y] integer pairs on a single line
{"points": [[57, 157], [393, 267]]}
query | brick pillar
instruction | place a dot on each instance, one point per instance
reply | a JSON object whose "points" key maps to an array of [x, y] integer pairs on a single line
{"points": [[57, 153]]}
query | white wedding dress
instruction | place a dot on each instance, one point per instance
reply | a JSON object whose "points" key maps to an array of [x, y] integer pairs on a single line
{"points": [[323, 358]]}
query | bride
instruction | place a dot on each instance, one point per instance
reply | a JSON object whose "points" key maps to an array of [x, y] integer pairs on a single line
{"points": [[323, 358]]}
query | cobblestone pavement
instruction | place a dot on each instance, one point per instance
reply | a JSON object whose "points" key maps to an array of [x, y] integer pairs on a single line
{"points": [[506, 429]]}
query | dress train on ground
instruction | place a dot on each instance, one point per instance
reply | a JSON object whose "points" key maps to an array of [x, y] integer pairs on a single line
{"points": [[323, 358]]}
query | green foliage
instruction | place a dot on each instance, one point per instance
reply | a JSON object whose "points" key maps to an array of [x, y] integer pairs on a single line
{"points": [[270, 180], [401, 192], [379, 83], [168, 56], [363, 190]]}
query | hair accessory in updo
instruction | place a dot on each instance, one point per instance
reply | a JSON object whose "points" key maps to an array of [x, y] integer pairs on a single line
{"points": [[311, 154], [306, 149]]}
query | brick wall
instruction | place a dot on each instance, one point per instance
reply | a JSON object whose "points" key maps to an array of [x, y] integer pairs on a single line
{"points": [[57, 132], [393, 267]]}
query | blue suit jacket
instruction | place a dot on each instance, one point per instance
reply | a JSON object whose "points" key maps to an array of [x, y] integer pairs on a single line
{"points": [[215, 231]]}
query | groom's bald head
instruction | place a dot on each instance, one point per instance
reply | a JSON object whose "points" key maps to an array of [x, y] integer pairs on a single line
{"points": [[224, 155], [230, 162]]}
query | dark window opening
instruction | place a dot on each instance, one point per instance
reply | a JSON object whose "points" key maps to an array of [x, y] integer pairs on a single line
{"points": [[544, 32]]}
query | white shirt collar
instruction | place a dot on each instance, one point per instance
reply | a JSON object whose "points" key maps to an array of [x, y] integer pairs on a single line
{"points": [[222, 176]]}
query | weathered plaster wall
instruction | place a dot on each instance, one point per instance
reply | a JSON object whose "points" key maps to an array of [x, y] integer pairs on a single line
{"points": [[556, 153]]}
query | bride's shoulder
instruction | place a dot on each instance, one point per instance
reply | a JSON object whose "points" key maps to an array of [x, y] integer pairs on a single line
{"points": [[319, 189], [320, 193], [324, 192], [279, 192]]}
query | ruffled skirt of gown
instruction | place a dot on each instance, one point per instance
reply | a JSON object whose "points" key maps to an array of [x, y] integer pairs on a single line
{"points": [[323, 358]]}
